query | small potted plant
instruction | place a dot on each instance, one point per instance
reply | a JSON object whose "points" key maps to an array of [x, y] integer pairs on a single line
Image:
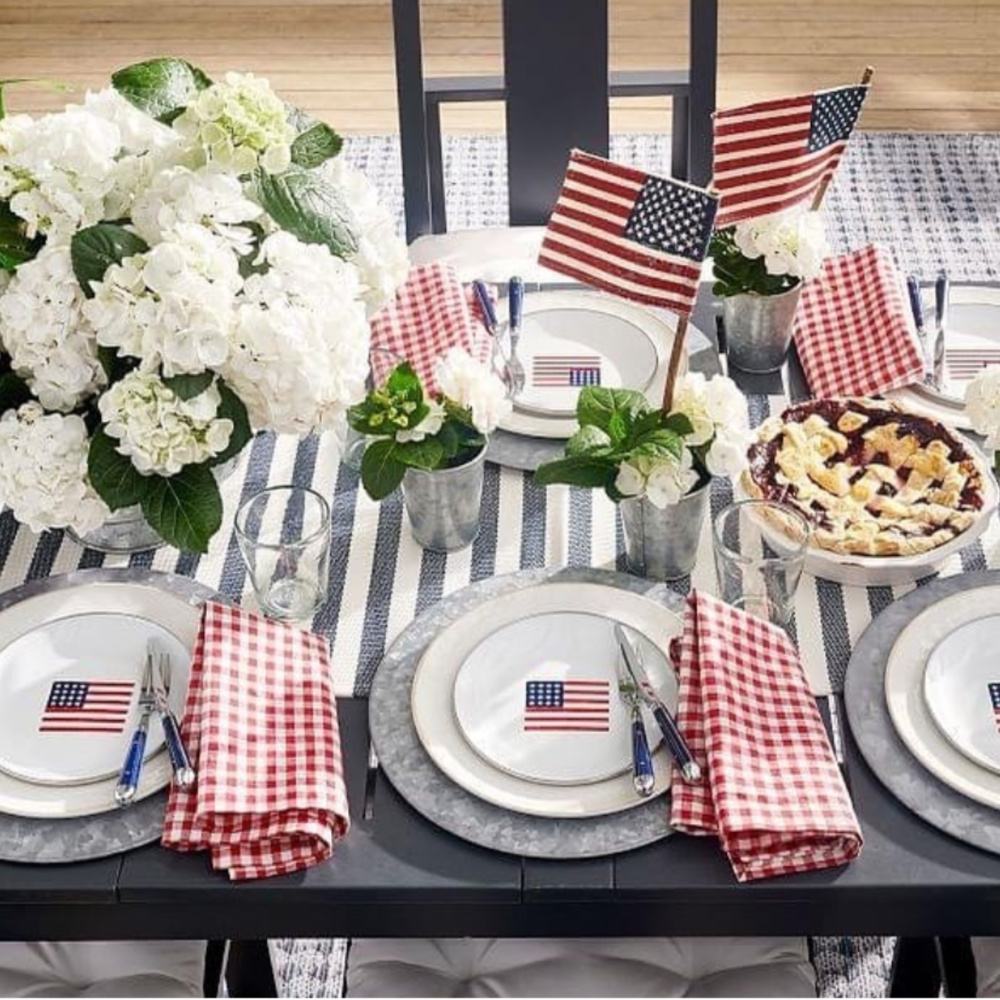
{"points": [[656, 465], [760, 266], [433, 443]]}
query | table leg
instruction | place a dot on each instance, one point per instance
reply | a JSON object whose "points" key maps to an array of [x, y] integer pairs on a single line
{"points": [[916, 971], [249, 972]]}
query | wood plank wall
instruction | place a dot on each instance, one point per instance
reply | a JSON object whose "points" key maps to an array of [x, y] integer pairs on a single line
{"points": [[937, 61]]}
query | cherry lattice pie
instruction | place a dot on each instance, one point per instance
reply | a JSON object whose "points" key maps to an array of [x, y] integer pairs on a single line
{"points": [[873, 479]]}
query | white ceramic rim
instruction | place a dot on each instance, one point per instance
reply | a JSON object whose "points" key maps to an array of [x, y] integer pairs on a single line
{"points": [[46, 801], [659, 332], [432, 706], [904, 693]]}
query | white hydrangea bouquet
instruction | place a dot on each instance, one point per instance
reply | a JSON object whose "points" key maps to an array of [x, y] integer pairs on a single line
{"points": [[982, 407], [183, 263], [768, 255], [631, 450]]}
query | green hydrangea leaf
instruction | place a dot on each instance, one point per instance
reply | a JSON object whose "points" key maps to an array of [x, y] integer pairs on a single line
{"points": [[94, 249], [185, 509], [116, 479], [162, 88]]}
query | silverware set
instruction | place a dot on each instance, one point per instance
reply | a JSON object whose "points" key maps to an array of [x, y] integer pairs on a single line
{"points": [[933, 341], [154, 697], [636, 689], [505, 347]]}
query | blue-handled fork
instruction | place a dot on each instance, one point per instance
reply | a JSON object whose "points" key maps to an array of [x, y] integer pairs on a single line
{"points": [[643, 776], [128, 780], [184, 776]]}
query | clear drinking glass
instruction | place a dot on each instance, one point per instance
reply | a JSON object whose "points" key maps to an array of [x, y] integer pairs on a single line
{"points": [[284, 536], [760, 549]]}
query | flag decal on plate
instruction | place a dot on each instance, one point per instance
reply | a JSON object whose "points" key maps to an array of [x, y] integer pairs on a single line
{"points": [[567, 707], [995, 699], [552, 371], [87, 707]]}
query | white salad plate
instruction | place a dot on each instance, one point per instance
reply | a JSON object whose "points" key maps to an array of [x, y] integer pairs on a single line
{"points": [[972, 342], [79, 637], [906, 698], [962, 690], [434, 684], [573, 339], [539, 698]]}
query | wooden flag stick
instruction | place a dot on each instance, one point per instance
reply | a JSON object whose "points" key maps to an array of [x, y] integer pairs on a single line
{"points": [[676, 355], [817, 203]]}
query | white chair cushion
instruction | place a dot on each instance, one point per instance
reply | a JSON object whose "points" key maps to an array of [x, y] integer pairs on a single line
{"points": [[597, 967], [103, 969]]}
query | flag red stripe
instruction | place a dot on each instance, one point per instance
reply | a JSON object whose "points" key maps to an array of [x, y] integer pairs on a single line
{"points": [[605, 187], [80, 729], [800, 136], [608, 285], [792, 185], [786, 159], [607, 167], [594, 243], [777, 104], [567, 205], [740, 127], [756, 211], [778, 174]]}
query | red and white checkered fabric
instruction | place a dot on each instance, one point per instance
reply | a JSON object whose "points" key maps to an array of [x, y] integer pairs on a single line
{"points": [[772, 791], [853, 330], [260, 724], [432, 313]]}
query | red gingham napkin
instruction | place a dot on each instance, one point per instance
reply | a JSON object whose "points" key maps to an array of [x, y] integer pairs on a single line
{"points": [[432, 313], [772, 791], [260, 724], [853, 330]]}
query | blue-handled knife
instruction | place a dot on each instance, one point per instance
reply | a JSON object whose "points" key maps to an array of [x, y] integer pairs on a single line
{"points": [[676, 744], [515, 306], [184, 775], [128, 780], [489, 316], [941, 288], [643, 776]]}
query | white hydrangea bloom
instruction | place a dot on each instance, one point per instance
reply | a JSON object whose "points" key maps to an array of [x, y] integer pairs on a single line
{"points": [[381, 258], [714, 407], [299, 354], [792, 242], [471, 384], [57, 170], [428, 427], [206, 197], [157, 430], [240, 123], [173, 306], [43, 470], [664, 480], [982, 406], [630, 480], [43, 330]]}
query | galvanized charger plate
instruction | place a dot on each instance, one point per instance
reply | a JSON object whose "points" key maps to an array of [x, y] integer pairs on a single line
{"points": [[56, 841], [875, 734], [439, 799]]}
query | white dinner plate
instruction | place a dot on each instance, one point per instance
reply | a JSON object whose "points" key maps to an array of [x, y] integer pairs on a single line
{"points": [[146, 610], [585, 338], [432, 699], [972, 343], [904, 692], [962, 690], [69, 691], [539, 698]]}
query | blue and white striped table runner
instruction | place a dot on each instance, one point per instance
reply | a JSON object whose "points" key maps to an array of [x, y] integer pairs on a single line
{"points": [[380, 579]]}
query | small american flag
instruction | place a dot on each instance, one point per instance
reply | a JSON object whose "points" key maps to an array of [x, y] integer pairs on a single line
{"points": [[555, 371], [773, 155], [567, 707], [628, 232], [965, 363], [87, 707], [995, 698]]}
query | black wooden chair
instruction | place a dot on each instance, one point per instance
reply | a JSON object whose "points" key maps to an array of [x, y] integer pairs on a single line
{"points": [[555, 87]]}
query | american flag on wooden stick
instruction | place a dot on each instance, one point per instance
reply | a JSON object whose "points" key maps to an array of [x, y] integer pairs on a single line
{"points": [[625, 231], [774, 155]]}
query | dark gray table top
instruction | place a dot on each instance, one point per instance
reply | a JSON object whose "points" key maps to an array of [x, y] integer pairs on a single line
{"points": [[398, 875]]}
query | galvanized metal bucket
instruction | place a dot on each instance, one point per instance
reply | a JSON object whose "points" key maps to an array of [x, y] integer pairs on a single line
{"points": [[759, 329], [662, 544], [444, 505]]}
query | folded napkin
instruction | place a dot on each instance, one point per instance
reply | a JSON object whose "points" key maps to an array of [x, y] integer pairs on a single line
{"points": [[432, 312], [260, 724], [772, 791], [853, 331]]}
